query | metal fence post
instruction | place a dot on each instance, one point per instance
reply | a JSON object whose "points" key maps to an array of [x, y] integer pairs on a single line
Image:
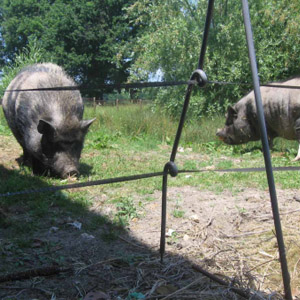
{"points": [[266, 151], [201, 78]]}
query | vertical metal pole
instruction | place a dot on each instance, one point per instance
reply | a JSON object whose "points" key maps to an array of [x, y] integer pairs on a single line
{"points": [[179, 130], [163, 215], [266, 151]]}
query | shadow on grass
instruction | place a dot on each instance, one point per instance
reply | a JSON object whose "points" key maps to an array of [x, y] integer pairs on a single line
{"points": [[60, 229], [288, 147], [85, 169]]}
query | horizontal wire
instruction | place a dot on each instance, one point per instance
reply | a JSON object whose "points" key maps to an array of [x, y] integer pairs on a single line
{"points": [[141, 85], [137, 177], [107, 86]]}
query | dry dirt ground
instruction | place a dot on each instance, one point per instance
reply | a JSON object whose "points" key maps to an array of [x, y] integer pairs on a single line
{"points": [[229, 234]]}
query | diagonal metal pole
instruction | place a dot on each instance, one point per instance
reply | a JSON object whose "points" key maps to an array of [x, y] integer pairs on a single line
{"points": [[179, 130], [266, 151], [190, 86], [209, 14]]}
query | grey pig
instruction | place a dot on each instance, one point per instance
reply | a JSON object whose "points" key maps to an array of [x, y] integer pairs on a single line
{"points": [[47, 124], [282, 116]]}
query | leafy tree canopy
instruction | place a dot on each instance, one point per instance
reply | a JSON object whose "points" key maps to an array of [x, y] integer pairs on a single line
{"points": [[82, 36], [106, 41], [172, 42]]}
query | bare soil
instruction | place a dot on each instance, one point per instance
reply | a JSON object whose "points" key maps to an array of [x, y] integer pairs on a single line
{"points": [[229, 234]]}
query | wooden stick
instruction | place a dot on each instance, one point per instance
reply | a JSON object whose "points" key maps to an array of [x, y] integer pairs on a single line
{"points": [[45, 271], [221, 281]]}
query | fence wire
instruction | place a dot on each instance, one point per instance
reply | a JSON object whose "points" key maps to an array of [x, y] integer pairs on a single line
{"points": [[170, 168], [142, 85], [137, 177]]}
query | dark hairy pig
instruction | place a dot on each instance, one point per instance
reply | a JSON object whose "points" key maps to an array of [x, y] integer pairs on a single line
{"points": [[281, 111], [47, 124]]}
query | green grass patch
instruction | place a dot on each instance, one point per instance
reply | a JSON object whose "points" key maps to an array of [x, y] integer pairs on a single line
{"points": [[130, 140]]}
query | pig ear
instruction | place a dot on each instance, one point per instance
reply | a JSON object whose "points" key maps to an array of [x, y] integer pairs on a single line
{"points": [[231, 115], [85, 124], [45, 127], [231, 110]]}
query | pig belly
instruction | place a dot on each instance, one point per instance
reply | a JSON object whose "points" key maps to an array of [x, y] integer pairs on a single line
{"points": [[282, 115], [283, 129]]}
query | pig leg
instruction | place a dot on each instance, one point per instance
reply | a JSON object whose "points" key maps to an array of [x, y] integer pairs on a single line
{"points": [[298, 154], [297, 130], [271, 144], [38, 167], [26, 158]]}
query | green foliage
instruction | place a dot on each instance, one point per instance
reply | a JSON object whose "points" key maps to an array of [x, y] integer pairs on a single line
{"points": [[29, 55], [126, 211], [103, 140], [177, 213], [172, 41], [130, 157], [82, 36], [114, 123], [106, 41]]}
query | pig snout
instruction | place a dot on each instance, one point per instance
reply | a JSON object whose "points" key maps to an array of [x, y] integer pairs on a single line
{"points": [[226, 136], [220, 134], [65, 166], [72, 172]]}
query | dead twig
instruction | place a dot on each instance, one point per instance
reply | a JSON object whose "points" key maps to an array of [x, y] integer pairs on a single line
{"points": [[221, 281], [182, 289], [131, 243], [210, 220], [44, 271], [79, 270], [246, 234], [261, 264], [269, 216]]}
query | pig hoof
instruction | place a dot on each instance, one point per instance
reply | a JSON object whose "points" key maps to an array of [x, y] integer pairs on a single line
{"points": [[297, 158]]}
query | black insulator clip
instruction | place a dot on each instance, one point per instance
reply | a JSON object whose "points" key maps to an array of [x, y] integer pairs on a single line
{"points": [[200, 76], [171, 168]]}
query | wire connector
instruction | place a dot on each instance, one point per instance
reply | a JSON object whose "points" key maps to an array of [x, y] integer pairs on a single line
{"points": [[171, 168], [200, 76]]}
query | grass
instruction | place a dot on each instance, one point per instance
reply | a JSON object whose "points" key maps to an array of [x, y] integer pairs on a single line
{"points": [[129, 140], [132, 139]]}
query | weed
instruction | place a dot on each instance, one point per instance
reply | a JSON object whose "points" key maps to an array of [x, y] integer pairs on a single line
{"points": [[103, 140], [241, 210], [126, 211], [173, 239], [177, 213]]}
